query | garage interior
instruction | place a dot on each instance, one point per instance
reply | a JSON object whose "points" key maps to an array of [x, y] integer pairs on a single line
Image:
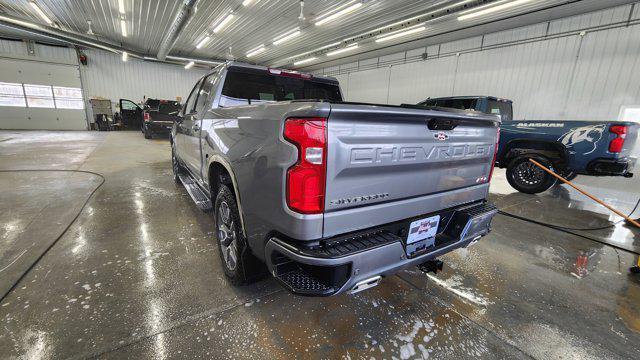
{"points": [[102, 255]]}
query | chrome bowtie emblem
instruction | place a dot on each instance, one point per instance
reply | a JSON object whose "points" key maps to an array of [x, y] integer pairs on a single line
{"points": [[441, 136]]}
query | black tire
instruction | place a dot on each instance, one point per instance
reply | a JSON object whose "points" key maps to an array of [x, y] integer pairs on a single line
{"points": [[175, 166], [528, 178], [147, 133], [239, 264]]}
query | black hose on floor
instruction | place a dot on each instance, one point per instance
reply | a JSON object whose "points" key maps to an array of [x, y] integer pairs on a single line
{"points": [[589, 229], [65, 229], [570, 231]]}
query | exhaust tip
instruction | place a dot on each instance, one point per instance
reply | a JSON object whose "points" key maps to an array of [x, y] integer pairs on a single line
{"points": [[365, 284]]}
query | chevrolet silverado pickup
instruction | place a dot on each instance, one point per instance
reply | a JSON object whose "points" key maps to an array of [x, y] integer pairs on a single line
{"points": [[331, 196], [571, 148]]}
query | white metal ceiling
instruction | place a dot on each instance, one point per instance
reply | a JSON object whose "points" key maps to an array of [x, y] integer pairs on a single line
{"points": [[148, 22]]}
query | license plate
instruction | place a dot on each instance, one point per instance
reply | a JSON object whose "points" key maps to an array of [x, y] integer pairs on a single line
{"points": [[423, 229]]}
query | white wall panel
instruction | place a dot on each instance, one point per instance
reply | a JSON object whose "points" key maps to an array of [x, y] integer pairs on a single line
{"points": [[461, 45], [414, 82], [534, 75], [106, 75], [370, 86], [607, 74], [522, 33]]}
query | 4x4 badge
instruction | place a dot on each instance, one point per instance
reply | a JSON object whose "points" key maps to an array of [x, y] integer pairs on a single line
{"points": [[441, 136]]}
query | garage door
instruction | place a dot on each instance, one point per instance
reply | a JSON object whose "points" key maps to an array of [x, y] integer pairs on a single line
{"points": [[39, 95]]}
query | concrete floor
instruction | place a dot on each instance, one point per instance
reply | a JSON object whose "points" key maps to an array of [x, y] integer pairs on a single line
{"points": [[137, 274]]}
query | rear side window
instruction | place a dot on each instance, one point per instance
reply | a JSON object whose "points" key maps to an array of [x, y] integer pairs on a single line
{"points": [[461, 104], [502, 108], [242, 88], [152, 104], [169, 107]]}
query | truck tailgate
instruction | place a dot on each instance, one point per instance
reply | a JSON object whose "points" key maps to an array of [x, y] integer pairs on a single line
{"points": [[403, 162]]}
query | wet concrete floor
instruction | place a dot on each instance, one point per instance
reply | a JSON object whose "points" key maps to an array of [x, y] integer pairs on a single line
{"points": [[137, 274]]}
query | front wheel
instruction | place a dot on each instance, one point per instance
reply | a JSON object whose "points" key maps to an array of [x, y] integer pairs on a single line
{"points": [[147, 133], [175, 166], [526, 177], [240, 266]]}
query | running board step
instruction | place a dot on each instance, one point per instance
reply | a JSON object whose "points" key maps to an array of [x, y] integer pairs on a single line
{"points": [[198, 196]]}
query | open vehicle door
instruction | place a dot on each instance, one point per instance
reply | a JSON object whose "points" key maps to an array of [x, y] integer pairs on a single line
{"points": [[131, 114]]}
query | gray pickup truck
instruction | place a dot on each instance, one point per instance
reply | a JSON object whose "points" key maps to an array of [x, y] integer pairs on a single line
{"points": [[330, 195]]}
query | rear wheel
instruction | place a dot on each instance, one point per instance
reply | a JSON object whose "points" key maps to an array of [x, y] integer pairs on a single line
{"points": [[240, 266], [526, 177]]}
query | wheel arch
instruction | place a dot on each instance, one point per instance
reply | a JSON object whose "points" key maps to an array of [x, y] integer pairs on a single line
{"points": [[557, 153], [220, 172]]}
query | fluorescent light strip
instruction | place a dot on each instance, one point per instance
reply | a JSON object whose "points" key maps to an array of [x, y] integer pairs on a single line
{"points": [[125, 56], [223, 23], [121, 6], [123, 27], [492, 9], [304, 61], [189, 65], [40, 12], [400, 34], [247, 2], [256, 51], [339, 14], [203, 42], [340, 51], [318, 49], [289, 36], [410, 19]]}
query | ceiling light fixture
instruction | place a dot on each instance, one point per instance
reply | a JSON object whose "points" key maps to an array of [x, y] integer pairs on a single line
{"points": [[338, 14], [287, 36], [256, 51], [123, 27], [247, 2], [203, 42], [189, 65], [121, 6], [340, 51], [223, 23], [40, 12], [488, 10], [424, 16], [396, 35], [318, 49], [304, 61], [125, 56]]}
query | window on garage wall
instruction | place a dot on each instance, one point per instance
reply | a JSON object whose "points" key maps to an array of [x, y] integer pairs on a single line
{"points": [[11, 94], [39, 96], [68, 97]]}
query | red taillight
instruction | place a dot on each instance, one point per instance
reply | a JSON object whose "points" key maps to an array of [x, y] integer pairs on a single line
{"points": [[147, 117], [306, 179], [615, 146], [495, 155]]}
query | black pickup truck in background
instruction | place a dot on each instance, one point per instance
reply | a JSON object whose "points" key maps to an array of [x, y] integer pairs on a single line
{"points": [[570, 148], [154, 117]]}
